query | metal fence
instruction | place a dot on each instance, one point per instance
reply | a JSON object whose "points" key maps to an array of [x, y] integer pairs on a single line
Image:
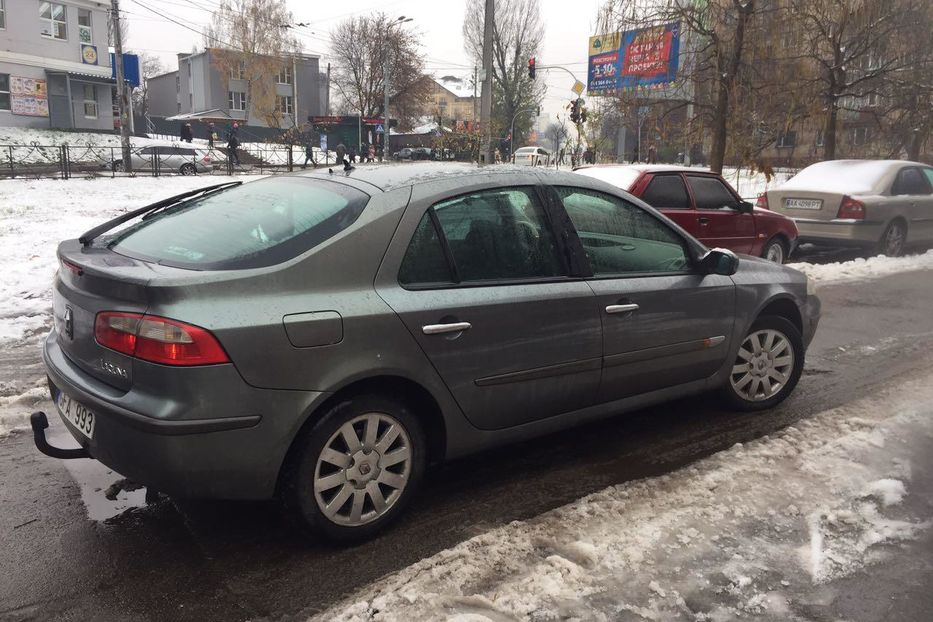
{"points": [[37, 161]]}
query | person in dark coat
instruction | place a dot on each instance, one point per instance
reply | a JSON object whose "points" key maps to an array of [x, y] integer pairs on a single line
{"points": [[210, 135], [232, 143], [309, 155], [185, 132]]}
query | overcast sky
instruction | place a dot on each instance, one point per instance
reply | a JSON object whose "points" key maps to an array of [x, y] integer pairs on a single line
{"points": [[568, 24]]}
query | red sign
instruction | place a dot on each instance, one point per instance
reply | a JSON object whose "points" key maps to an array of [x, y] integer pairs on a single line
{"points": [[649, 54]]}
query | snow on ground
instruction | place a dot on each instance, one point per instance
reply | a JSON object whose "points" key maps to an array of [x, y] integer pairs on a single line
{"points": [[862, 269], [755, 530]]}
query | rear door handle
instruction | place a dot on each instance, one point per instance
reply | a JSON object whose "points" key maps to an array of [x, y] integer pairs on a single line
{"points": [[628, 308], [703, 220], [438, 329]]}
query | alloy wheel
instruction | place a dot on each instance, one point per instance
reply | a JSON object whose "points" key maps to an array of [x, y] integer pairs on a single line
{"points": [[763, 366], [894, 239], [363, 469]]}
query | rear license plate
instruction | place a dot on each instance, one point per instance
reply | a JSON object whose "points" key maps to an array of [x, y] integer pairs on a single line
{"points": [[803, 204], [77, 414]]}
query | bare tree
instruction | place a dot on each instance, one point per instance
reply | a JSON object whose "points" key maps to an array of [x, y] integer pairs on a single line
{"points": [[517, 37], [250, 40], [854, 46], [363, 47], [556, 134], [149, 66]]}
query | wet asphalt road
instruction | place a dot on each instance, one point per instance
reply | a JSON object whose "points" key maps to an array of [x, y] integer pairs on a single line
{"points": [[232, 561]]}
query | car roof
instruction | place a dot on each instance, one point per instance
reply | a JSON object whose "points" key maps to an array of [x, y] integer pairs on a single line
{"points": [[392, 176], [652, 168]]}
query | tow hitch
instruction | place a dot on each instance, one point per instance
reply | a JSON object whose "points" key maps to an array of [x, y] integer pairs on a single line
{"points": [[39, 423]]}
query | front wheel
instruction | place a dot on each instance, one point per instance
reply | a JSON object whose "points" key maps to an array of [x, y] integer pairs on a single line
{"points": [[767, 366], [775, 250], [188, 169], [357, 469]]}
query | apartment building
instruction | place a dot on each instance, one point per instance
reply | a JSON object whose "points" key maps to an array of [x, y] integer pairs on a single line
{"points": [[55, 65], [452, 101], [207, 86]]}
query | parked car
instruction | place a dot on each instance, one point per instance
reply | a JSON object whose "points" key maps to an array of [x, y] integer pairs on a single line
{"points": [[414, 153], [882, 205], [531, 156], [706, 206], [323, 338], [185, 160]]}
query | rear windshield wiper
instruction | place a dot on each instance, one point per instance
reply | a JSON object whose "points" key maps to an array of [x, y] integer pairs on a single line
{"points": [[92, 234]]}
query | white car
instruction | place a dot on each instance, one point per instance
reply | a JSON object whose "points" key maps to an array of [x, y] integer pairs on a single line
{"points": [[531, 156], [169, 159]]}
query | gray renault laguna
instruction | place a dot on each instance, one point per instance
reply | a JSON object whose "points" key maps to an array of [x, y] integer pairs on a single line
{"points": [[323, 337]]}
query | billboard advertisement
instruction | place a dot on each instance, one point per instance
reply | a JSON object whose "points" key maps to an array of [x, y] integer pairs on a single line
{"points": [[29, 97], [633, 58]]}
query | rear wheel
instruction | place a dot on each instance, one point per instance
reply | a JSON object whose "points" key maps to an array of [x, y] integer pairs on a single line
{"points": [[767, 366], [775, 250], [894, 240], [188, 169], [357, 469]]}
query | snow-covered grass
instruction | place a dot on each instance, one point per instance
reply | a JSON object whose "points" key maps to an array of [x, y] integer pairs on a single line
{"points": [[861, 269], [749, 530]]}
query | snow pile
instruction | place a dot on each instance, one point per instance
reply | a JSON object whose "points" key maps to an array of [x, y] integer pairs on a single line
{"points": [[15, 406], [749, 184], [861, 269], [751, 530]]}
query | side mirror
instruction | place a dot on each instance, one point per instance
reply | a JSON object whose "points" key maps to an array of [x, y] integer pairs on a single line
{"points": [[719, 261], [745, 207]]}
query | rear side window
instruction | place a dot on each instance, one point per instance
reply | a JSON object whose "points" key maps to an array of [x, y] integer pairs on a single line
{"points": [[710, 193], [500, 234], [910, 181], [667, 191], [260, 223]]}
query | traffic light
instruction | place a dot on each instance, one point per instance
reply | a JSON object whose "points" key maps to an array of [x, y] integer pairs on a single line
{"points": [[582, 112], [531, 68], [575, 110]]}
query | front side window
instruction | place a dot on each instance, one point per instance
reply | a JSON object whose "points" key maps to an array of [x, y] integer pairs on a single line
{"points": [[710, 193], [4, 91], [620, 238], [910, 181], [258, 224], [494, 235], [85, 28], [90, 101], [667, 191], [54, 22], [236, 100]]}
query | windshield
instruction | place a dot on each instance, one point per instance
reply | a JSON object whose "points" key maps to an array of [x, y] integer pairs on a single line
{"points": [[257, 224]]}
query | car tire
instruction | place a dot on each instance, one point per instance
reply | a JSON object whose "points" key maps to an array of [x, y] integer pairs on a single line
{"points": [[894, 239], [188, 169], [751, 389], [775, 250], [326, 480]]}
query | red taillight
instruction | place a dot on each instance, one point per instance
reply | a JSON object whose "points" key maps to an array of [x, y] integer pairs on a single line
{"points": [[206, 159], [850, 208], [157, 339], [762, 201]]}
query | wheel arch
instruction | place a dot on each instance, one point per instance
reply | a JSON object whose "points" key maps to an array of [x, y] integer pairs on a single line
{"points": [[422, 402], [785, 307]]}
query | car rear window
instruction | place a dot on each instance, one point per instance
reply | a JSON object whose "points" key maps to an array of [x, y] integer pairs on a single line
{"points": [[261, 223]]}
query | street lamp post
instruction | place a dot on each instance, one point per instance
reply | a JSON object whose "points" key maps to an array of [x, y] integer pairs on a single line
{"points": [[386, 153]]}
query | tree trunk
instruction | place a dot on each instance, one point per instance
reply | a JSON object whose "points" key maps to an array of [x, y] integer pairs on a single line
{"points": [[726, 84], [829, 132]]}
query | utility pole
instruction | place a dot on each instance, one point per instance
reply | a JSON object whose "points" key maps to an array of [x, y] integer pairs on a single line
{"points": [[486, 104], [122, 99]]}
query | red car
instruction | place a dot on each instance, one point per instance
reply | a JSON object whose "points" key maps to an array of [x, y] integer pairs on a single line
{"points": [[706, 206]]}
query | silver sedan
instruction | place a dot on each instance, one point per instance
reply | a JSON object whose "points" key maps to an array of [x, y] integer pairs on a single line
{"points": [[883, 205]]}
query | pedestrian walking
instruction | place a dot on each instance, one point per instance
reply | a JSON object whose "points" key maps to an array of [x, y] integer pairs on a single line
{"points": [[341, 154], [309, 155], [652, 154], [232, 143], [210, 135], [371, 154], [185, 132]]}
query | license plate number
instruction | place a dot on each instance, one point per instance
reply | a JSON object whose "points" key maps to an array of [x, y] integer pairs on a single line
{"points": [[77, 414], [803, 203]]}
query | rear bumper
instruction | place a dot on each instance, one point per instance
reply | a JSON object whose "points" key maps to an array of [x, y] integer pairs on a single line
{"points": [[194, 453], [842, 231]]}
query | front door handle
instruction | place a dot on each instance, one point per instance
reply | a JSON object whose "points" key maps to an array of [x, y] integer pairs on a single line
{"points": [[438, 329], [628, 308], [703, 220]]}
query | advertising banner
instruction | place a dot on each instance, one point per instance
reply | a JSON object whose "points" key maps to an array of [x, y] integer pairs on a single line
{"points": [[29, 97], [634, 58]]}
